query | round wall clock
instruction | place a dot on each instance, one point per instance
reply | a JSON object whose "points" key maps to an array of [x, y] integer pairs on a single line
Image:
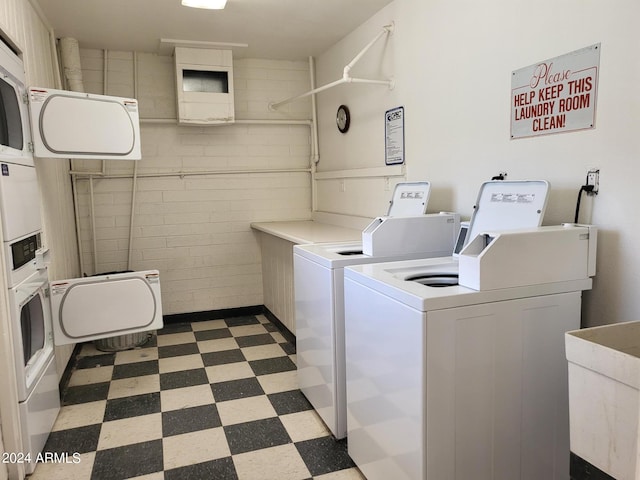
{"points": [[343, 118]]}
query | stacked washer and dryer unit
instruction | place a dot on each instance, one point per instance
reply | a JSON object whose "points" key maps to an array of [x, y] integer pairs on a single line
{"points": [[28, 283], [65, 125], [469, 380]]}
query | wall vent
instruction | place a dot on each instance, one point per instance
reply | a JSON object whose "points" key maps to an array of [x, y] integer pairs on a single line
{"points": [[204, 81]]}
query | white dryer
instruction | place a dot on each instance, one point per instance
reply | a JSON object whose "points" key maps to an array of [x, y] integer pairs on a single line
{"points": [[318, 286], [37, 378], [469, 380]]}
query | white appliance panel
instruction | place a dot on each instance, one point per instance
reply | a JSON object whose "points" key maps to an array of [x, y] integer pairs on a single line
{"points": [[20, 201], [79, 125], [422, 236], [496, 400], [385, 385], [495, 260], [39, 412], [104, 306], [22, 256], [464, 392], [318, 290], [409, 199], [509, 205]]}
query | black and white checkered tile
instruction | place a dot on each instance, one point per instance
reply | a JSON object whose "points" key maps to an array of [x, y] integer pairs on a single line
{"points": [[206, 400]]}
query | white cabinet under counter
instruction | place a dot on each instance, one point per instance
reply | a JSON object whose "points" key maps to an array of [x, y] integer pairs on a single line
{"points": [[276, 246]]}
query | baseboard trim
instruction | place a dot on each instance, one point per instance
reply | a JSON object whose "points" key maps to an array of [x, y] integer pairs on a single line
{"points": [[231, 312], [583, 470], [288, 335], [213, 314]]}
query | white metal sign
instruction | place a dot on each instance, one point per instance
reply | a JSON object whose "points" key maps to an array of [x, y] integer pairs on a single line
{"points": [[394, 136], [556, 95]]}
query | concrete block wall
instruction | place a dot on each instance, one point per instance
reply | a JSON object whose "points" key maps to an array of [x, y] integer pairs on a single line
{"points": [[195, 228]]}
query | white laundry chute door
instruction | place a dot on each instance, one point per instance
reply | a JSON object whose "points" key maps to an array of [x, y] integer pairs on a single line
{"points": [[68, 124], [103, 306]]}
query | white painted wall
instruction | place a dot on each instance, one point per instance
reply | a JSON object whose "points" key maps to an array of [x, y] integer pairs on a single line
{"points": [[196, 229], [452, 62]]}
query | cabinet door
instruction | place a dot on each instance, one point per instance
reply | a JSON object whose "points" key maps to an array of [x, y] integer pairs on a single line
{"points": [[104, 306], [497, 389], [20, 201]]}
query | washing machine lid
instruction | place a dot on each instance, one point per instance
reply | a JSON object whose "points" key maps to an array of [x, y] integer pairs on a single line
{"points": [[409, 199], [508, 205], [104, 306], [68, 124]]}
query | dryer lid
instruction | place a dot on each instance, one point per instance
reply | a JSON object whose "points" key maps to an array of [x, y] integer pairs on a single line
{"points": [[103, 306], [68, 124], [409, 199], [508, 205]]}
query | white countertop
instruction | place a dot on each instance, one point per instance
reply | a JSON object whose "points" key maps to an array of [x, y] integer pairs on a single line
{"points": [[309, 231]]}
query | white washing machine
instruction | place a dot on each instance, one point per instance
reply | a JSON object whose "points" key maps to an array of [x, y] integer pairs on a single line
{"points": [[449, 381], [319, 300]]}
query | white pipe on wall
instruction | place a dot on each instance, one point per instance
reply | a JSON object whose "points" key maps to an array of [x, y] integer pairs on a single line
{"points": [[74, 193], [199, 173], [315, 151], [134, 185], [385, 31], [306, 94], [70, 55], [134, 188], [346, 78], [105, 70], [93, 226], [56, 61], [72, 72], [268, 121]]}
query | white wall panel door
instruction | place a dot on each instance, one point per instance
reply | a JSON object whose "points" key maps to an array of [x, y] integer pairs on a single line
{"points": [[497, 389], [20, 201], [277, 278]]}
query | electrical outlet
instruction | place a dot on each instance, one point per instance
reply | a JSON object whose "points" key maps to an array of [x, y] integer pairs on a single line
{"points": [[593, 178]]}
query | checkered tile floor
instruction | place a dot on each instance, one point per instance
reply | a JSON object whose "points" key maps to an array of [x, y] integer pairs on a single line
{"points": [[203, 400]]}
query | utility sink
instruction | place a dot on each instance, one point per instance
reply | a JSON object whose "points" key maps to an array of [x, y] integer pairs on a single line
{"points": [[604, 397]]}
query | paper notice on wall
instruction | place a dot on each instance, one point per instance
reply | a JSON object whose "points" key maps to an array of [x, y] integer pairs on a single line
{"points": [[394, 136], [556, 95]]}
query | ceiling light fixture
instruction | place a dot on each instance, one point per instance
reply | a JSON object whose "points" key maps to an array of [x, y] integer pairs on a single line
{"points": [[209, 4]]}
